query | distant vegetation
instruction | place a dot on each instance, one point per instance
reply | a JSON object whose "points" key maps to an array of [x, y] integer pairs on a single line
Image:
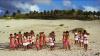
{"points": [[54, 14]]}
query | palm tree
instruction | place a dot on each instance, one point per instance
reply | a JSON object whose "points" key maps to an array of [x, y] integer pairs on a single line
{"points": [[41, 13], [13, 14], [94, 13], [85, 13], [52, 12], [31, 12], [44, 12], [6, 13], [98, 14], [48, 13], [79, 12], [90, 13], [18, 12]]}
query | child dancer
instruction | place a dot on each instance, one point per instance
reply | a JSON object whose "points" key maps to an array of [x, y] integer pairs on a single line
{"points": [[29, 40], [66, 43], [85, 41], [32, 36], [81, 39], [44, 39], [12, 42], [53, 35], [37, 42], [41, 40], [51, 42], [76, 37], [16, 40], [32, 33], [25, 41], [20, 39]]}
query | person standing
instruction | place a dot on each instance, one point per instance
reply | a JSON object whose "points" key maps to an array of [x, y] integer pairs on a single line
{"points": [[66, 41], [12, 42], [51, 42], [37, 42], [41, 40], [20, 39], [16, 40]]}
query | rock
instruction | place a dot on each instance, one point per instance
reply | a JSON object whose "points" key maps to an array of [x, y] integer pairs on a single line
{"points": [[7, 26], [98, 53], [61, 25]]}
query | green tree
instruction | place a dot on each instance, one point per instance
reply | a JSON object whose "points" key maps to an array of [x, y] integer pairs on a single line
{"points": [[79, 12], [18, 12], [13, 14], [6, 13], [44, 12], [98, 14]]}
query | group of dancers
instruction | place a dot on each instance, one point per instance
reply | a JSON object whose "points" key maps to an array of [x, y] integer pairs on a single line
{"points": [[81, 39], [28, 39]]}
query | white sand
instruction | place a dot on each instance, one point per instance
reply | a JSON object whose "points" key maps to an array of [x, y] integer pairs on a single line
{"points": [[93, 27]]}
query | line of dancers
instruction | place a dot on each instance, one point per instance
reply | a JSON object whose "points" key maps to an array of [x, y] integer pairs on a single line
{"points": [[81, 39], [28, 39]]}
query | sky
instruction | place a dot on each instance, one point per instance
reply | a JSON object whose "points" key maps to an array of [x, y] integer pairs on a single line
{"points": [[40, 5]]}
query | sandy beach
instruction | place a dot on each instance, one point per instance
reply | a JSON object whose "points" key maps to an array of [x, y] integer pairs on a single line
{"points": [[12, 26]]}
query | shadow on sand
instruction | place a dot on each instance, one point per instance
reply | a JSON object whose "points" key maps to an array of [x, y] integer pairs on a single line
{"points": [[4, 46]]}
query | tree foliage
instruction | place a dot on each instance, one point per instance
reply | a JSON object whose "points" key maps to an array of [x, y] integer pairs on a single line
{"points": [[56, 14]]}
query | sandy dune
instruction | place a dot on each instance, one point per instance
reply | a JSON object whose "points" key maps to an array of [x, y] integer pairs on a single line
{"points": [[11, 26]]}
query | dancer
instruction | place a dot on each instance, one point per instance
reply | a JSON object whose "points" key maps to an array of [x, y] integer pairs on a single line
{"points": [[30, 41], [66, 43], [44, 39], [25, 41], [32, 37], [53, 35], [81, 39], [76, 37], [85, 40], [20, 39], [41, 40], [12, 42], [16, 40], [51, 41], [37, 42]]}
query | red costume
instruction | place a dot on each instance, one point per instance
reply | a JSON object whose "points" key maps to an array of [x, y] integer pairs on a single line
{"points": [[12, 41], [44, 39], [65, 41], [16, 41], [41, 42], [37, 43], [20, 39]]}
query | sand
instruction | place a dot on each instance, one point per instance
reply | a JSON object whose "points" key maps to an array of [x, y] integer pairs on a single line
{"points": [[12, 26]]}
